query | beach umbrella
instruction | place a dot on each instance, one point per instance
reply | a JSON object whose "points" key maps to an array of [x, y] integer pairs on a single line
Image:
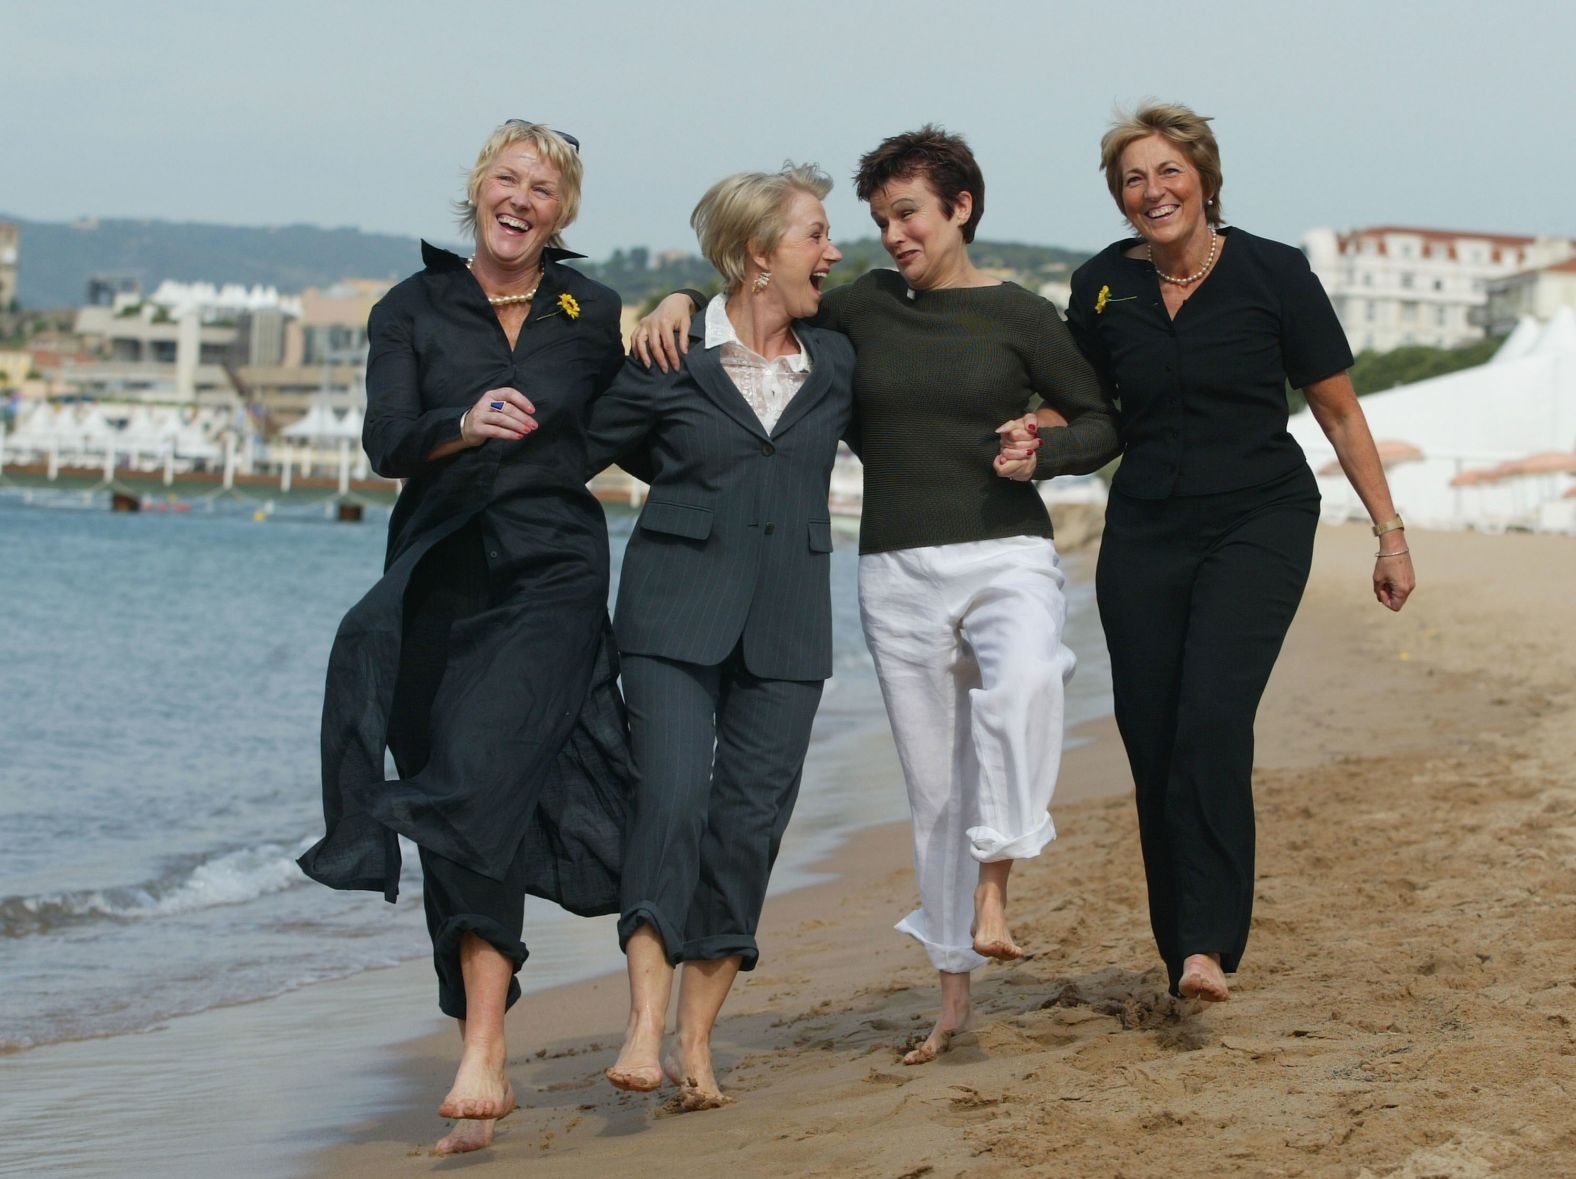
{"points": [[1548, 462], [1392, 453]]}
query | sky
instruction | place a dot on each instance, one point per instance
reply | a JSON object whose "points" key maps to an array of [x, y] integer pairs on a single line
{"points": [[1447, 114]]}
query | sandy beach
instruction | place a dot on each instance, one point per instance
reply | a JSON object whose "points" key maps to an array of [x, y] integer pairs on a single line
{"points": [[1405, 1007]]}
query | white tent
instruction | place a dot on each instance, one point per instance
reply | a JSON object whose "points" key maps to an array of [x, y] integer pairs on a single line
{"points": [[322, 424], [1501, 412]]}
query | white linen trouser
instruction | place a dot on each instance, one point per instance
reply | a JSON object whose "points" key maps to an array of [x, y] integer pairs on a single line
{"points": [[967, 642]]}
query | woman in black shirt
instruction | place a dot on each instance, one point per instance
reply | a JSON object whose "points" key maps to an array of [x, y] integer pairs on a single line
{"points": [[1196, 329], [482, 658]]}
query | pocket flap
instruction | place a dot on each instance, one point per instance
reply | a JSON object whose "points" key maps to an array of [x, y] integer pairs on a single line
{"points": [[676, 519], [820, 536]]}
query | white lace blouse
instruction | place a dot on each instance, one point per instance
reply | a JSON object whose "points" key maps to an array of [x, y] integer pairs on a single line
{"points": [[768, 385]]}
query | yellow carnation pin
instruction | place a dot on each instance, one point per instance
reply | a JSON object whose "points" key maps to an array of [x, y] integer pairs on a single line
{"points": [[567, 305], [1104, 297]]}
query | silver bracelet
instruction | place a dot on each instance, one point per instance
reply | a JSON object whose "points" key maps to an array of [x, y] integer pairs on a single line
{"points": [[1397, 553]]}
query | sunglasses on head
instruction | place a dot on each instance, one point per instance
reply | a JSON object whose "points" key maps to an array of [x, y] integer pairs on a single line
{"points": [[564, 135]]}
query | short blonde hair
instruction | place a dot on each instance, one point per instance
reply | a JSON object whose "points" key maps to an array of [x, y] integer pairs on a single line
{"points": [[1183, 127], [745, 212], [550, 146]]}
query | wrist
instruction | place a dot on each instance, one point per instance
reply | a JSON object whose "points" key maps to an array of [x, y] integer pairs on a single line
{"points": [[1393, 524]]}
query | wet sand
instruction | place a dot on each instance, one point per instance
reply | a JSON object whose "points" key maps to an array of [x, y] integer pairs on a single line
{"points": [[1405, 1007]]}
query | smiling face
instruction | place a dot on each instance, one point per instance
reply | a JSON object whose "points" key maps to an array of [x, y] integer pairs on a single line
{"points": [[1162, 193], [518, 206], [803, 256], [926, 243]]}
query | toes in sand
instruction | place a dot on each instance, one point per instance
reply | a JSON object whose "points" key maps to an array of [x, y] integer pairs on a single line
{"points": [[478, 1098], [467, 1135], [1203, 979]]}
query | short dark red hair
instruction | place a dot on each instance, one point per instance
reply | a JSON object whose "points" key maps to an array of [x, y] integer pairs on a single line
{"points": [[944, 161]]}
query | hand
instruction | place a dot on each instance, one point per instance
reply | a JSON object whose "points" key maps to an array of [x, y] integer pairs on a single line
{"points": [[511, 423], [1048, 418], [663, 334], [1394, 579], [1019, 437]]}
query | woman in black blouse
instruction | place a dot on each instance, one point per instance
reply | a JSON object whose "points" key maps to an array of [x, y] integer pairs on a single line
{"points": [[1196, 330], [482, 657]]}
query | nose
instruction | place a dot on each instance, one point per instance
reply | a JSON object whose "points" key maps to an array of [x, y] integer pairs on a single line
{"points": [[832, 254], [891, 236]]}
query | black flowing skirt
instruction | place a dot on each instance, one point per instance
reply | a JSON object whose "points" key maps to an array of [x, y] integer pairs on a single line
{"points": [[499, 701]]}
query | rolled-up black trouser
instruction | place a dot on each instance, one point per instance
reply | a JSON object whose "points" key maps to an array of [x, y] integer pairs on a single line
{"points": [[1196, 594], [720, 754], [448, 586]]}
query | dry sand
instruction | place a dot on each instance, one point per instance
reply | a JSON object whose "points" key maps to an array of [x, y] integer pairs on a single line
{"points": [[1405, 1007]]}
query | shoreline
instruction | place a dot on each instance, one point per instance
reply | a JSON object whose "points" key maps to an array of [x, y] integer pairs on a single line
{"points": [[1399, 1011], [1409, 779]]}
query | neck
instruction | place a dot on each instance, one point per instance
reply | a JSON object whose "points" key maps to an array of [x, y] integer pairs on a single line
{"points": [[762, 323], [497, 278], [1185, 256], [961, 272]]}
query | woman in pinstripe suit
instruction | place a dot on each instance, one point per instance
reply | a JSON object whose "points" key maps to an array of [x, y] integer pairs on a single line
{"points": [[723, 618]]}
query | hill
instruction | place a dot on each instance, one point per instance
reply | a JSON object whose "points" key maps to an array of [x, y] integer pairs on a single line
{"points": [[58, 258]]}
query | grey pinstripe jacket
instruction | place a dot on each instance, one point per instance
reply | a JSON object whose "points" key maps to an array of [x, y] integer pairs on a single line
{"points": [[735, 539]]}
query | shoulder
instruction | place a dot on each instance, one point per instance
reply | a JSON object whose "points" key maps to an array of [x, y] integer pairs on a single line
{"points": [[401, 302], [1268, 253], [595, 299], [825, 344], [872, 285], [1100, 269]]}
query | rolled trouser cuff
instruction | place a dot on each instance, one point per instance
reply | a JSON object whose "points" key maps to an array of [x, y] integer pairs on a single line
{"points": [[952, 959], [988, 845], [647, 913], [446, 959], [724, 945]]}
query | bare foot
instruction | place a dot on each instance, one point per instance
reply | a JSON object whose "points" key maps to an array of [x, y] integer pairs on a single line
{"points": [[939, 1040], [1202, 978], [481, 1089], [638, 1068], [992, 939], [690, 1070], [468, 1134]]}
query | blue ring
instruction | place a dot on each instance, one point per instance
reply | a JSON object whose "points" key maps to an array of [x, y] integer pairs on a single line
{"points": [[496, 404]]}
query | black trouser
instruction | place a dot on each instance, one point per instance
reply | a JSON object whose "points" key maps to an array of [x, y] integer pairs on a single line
{"points": [[720, 753], [449, 585], [1196, 594]]}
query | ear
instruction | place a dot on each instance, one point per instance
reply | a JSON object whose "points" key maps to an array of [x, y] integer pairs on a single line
{"points": [[757, 257], [962, 208]]}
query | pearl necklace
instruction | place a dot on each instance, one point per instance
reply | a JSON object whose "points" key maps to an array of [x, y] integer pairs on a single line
{"points": [[1214, 241], [506, 300]]}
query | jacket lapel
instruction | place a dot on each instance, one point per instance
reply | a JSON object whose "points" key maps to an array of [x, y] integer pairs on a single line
{"points": [[705, 365], [815, 385]]}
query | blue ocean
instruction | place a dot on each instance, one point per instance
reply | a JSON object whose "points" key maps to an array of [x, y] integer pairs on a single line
{"points": [[161, 675]]}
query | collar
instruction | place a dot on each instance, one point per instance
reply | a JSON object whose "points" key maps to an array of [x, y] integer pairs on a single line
{"points": [[438, 259], [719, 331]]}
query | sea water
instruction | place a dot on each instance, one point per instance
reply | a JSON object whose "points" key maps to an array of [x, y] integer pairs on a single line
{"points": [[161, 676]]}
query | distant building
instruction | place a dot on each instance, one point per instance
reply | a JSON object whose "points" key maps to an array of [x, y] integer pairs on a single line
{"points": [[10, 243], [1538, 293], [332, 326], [180, 344], [104, 289], [1396, 285]]}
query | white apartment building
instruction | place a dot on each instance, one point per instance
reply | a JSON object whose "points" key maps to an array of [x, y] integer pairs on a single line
{"points": [[1394, 285], [1536, 293]]}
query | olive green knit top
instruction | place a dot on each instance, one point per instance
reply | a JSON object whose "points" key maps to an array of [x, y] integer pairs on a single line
{"points": [[935, 373]]}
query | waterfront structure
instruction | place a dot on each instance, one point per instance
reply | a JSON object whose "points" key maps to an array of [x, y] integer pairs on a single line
{"points": [[1536, 293], [1394, 285], [10, 253]]}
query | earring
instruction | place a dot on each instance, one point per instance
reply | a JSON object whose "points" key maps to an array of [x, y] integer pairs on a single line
{"points": [[762, 281]]}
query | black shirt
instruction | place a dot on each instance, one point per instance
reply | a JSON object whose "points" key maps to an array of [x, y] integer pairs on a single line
{"points": [[1202, 396]]}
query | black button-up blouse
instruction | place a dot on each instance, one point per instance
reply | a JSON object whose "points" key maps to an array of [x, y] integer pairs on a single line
{"points": [[1202, 397]]}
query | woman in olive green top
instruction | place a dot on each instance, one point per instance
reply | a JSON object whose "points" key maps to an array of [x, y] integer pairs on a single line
{"points": [[960, 589]]}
